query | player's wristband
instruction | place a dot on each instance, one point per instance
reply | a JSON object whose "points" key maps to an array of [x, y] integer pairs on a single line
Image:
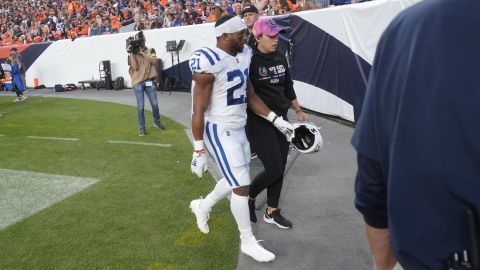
{"points": [[198, 145], [272, 117], [299, 110]]}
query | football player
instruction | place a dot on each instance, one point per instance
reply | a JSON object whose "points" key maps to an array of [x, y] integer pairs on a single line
{"points": [[220, 91]]}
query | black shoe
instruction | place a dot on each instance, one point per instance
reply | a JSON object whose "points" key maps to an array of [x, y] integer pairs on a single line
{"points": [[251, 207], [142, 132], [160, 126], [276, 218]]}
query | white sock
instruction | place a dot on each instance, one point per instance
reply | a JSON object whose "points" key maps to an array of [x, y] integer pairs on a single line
{"points": [[239, 207], [221, 190]]}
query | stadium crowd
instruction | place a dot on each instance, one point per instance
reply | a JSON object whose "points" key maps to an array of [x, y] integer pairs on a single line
{"points": [[34, 21]]}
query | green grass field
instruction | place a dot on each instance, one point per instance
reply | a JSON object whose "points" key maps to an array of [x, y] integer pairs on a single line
{"points": [[135, 217]]}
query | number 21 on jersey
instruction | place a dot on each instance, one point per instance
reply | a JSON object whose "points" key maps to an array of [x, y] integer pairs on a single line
{"points": [[231, 99]]}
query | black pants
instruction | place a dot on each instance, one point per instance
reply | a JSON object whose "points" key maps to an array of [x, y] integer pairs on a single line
{"points": [[271, 147]]}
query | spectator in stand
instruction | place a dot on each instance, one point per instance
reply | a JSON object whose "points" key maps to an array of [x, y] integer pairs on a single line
{"points": [[216, 14], [41, 20], [190, 11], [169, 19], [116, 24], [139, 26], [186, 19], [237, 9], [177, 21], [160, 13]]}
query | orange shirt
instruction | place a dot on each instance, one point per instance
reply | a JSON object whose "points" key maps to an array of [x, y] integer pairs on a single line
{"points": [[212, 17], [72, 34], [40, 18], [293, 7], [37, 39], [79, 8], [116, 25], [7, 41], [70, 8], [125, 15], [57, 34], [84, 31]]}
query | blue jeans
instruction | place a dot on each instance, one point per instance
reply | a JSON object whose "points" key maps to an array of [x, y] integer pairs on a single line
{"points": [[151, 92]]}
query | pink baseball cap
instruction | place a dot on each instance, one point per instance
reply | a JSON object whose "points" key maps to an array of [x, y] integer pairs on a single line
{"points": [[266, 26]]}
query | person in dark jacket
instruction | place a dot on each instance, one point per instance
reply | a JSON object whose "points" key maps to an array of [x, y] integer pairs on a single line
{"points": [[271, 80], [250, 16], [418, 141]]}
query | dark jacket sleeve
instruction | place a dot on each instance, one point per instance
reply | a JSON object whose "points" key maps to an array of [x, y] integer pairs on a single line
{"points": [[371, 192], [289, 91]]}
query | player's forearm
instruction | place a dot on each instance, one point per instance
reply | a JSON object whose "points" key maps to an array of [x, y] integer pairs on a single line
{"points": [[257, 105], [197, 126], [379, 241]]}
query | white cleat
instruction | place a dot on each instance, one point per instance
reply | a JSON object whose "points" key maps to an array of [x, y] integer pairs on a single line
{"points": [[202, 216], [254, 249]]}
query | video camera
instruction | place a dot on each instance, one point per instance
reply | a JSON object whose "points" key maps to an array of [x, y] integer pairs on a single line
{"points": [[134, 43]]}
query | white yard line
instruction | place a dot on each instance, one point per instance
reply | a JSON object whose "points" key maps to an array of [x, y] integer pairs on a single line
{"points": [[52, 138], [141, 143], [23, 193]]}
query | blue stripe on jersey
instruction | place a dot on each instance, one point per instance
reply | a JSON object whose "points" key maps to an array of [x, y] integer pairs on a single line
{"points": [[215, 134], [216, 153], [210, 59], [214, 53]]}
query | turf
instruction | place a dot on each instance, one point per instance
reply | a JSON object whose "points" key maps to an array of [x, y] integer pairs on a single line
{"points": [[135, 217]]}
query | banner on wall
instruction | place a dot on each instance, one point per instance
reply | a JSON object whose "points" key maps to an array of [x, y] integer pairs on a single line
{"points": [[330, 52]]}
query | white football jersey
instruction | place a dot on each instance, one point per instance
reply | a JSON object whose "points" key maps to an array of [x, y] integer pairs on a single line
{"points": [[229, 94]]}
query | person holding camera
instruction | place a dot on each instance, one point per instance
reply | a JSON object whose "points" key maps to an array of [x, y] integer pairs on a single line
{"points": [[142, 62]]}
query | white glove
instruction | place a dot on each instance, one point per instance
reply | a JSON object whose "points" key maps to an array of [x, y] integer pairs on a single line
{"points": [[199, 163], [284, 127]]}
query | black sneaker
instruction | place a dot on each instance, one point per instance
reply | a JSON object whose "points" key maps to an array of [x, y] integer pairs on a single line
{"points": [[251, 207], [276, 218], [159, 125], [142, 132]]}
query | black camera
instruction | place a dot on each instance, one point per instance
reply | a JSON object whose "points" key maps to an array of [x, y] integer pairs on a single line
{"points": [[134, 43]]}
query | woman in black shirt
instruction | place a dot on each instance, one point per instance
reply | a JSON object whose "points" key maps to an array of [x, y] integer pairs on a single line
{"points": [[271, 80]]}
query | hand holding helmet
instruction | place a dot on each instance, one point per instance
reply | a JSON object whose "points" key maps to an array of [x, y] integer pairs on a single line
{"points": [[307, 138], [285, 127]]}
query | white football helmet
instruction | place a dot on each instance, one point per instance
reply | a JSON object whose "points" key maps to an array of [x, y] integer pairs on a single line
{"points": [[307, 138]]}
